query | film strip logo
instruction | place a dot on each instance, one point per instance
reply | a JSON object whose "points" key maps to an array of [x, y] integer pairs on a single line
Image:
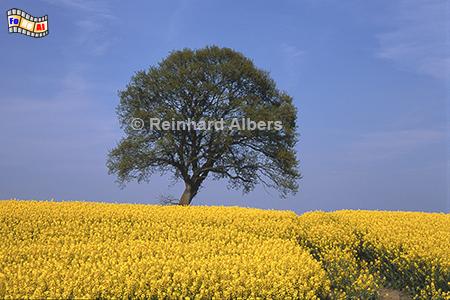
{"points": [[20, 21]]}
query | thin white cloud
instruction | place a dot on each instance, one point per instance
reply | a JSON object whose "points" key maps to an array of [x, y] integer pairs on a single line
{"points": [[93, 34], [291, 58], [100, 8], [418, 39], [93, 24], [52, 127], [291, 51], [376, 146]]}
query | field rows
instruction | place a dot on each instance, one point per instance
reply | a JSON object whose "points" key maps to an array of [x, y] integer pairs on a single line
{"points": [[96, 250]]}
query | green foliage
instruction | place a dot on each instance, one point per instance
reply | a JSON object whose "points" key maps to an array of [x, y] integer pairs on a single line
{"points": [[207, 84]]}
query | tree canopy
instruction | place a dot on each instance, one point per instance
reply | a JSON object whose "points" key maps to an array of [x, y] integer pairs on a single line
{"points": [[208, 84]]}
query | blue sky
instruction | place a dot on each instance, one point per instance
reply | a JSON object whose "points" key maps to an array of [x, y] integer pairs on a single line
{"points": [[369, 79]]}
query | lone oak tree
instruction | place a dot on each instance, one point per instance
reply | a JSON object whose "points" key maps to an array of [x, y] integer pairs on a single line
{"points": [[207, 84]]}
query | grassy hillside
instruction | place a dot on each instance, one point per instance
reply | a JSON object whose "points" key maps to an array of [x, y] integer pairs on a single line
{"points": [[96, 250]]}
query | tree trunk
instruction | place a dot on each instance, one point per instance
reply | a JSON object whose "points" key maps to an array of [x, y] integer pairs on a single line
{"points": [[188, 194]]}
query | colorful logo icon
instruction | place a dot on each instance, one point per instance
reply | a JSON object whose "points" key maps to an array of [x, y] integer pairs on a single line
{"points": [[20, 21]]}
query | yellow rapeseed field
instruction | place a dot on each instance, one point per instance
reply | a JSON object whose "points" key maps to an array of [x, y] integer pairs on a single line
{"points": [[87, 250], [99, 250], [363, 250]]}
